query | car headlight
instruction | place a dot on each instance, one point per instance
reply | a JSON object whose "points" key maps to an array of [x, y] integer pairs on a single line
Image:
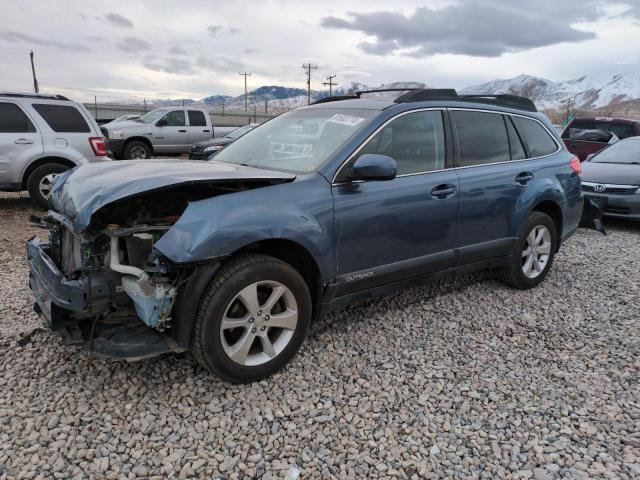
{"points": [[213, 148], [116, 134]]}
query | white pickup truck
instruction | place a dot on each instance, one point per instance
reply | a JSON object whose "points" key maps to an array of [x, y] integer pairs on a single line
{"points": [[167, 130]]}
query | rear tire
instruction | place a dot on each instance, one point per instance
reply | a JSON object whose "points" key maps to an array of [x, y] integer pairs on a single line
{"points": [[136, 150], [40, 182], [533, 252], [241, 340]]}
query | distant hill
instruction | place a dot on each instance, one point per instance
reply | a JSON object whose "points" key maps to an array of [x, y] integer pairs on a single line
{"points": [[587, 92]]}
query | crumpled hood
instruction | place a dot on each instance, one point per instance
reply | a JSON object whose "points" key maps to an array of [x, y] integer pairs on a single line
{"points": [[615, 173], [80, 192]]}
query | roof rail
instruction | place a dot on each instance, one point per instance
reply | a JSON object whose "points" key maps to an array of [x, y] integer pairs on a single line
{"points": [[335, 98], [360, 92], [33, 95], [511, 101]]}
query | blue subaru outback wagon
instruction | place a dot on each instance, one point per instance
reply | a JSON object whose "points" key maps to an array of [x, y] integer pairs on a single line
{"points": [[350, 197]]}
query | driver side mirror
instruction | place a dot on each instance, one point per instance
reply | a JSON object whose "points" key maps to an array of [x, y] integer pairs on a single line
{"points": [[161, 123], [371, 166]]}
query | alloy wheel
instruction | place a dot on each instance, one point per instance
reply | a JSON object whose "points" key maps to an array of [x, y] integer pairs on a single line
{"points": [[536, 252], [259, 323], [45, 184]]}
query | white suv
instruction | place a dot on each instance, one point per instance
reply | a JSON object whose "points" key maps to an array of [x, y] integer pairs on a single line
{"points": [[42, 136]]}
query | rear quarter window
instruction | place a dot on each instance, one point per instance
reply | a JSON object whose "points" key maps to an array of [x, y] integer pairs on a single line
{"points": [[14, 120], [62, 118], [536, 137]]}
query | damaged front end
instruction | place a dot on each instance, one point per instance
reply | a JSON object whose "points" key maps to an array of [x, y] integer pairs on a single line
{"points": [[98, 280]]}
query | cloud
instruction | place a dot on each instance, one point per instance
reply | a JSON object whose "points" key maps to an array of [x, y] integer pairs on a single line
{"points": [[132, 44], [219, 30], [482, 28], [219, 63], [118, 20], [176, 66], [176, 50], [16, 37]]}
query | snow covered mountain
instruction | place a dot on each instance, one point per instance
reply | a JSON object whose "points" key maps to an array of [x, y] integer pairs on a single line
{"points": [[586, 92]]}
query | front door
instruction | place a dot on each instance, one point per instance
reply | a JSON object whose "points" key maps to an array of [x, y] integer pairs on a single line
{"points": [[386, 231], [170, 133]]}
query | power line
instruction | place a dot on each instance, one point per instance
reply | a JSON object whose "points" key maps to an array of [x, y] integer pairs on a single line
{"points": [[308, 68], [330, 83], [245, 74]]}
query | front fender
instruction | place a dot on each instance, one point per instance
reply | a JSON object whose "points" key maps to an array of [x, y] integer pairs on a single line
{"points": [[299, 211]]}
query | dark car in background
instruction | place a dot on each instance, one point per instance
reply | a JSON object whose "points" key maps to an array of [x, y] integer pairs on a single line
{"points": [[205, 149], [582, 145], [611, 179]]}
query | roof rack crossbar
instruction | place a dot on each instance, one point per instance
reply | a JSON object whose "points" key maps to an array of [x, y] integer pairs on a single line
{"points": [[43, 96], [360, 92]]}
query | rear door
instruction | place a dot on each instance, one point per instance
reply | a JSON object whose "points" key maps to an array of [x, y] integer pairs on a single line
{"points": [[65, 129], [198, 126], [170, 133], [20, 142], [387, 231], [494, 174]]}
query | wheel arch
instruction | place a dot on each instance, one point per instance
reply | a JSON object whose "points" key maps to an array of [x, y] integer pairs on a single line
{"points": [[137, 139], [289, 251], [554, 210], [40, 162]]}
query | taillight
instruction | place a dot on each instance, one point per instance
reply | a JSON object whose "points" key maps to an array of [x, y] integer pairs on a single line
{"points": [[574, 163], [98, 145]]}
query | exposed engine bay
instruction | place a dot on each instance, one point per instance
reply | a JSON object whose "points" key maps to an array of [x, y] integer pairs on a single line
{"points": [[115, 264]]}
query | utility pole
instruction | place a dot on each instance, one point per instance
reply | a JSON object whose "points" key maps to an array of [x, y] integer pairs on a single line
{"points": [[330, 83], [308, 68], [245, 74], [33, 71]]}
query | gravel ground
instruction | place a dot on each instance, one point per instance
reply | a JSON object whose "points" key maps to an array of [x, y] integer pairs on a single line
{"points": [[464, 379]]}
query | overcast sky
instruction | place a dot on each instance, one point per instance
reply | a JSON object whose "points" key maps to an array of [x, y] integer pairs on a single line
{"points": [[162, 49]]}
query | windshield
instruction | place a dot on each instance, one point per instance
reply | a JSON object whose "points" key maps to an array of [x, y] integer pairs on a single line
{"points": [[624, 151], [299, 141], [152, 116], [238, 132]]}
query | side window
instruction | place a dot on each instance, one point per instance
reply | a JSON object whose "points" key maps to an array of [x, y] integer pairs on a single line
{"points": [[515, 145], [62, 118], [14, 120], [175, 118], [415, 141], [535, 137], [482, 138], [197, 119]]}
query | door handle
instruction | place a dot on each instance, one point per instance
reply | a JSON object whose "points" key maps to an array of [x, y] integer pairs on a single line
{"points": [[524, 177], [23, 141], [442, 191], [182, 131], [206, 131]]}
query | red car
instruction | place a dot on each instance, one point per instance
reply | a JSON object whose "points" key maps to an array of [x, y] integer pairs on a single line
{"points": [[588, 135]]}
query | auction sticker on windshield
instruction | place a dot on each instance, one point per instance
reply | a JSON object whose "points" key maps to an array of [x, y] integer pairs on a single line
{"points": [[345, 120]]}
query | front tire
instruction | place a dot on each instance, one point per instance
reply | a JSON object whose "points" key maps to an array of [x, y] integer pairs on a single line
{"points": [[252, 319], [136, 150], [533, 252], [41, 180]]}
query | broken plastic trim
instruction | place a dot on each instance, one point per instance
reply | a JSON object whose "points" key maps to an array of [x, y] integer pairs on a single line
{"points": [[592, 217]]}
